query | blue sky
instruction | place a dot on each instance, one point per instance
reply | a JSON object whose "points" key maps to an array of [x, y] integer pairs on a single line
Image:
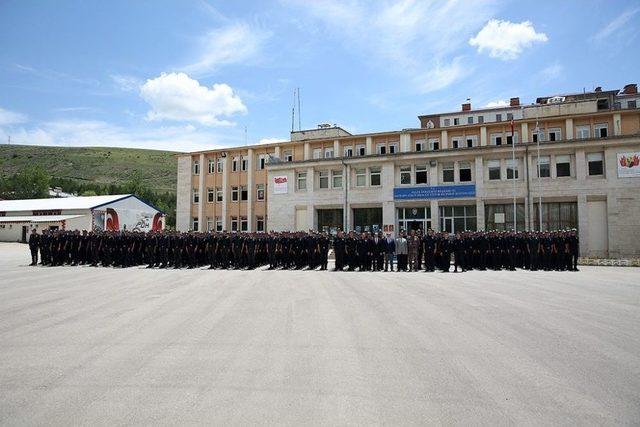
{"points": [[193, 74]]}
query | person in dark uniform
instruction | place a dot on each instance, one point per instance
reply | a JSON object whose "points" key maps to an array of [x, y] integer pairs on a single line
{"points": [[34, 241], [339, 246], [323, 250], [458, 253], [429, 248], [444, 251], [574, 250]]}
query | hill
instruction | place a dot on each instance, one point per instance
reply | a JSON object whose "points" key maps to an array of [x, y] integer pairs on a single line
{"points": [[102, 165]]}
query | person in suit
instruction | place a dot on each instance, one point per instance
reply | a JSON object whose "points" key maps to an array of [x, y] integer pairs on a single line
{"points": [[389, 252], [402, 250], [34, 240]]}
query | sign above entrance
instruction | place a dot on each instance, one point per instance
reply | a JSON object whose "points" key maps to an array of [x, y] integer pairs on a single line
{"points": [[435, 192]]}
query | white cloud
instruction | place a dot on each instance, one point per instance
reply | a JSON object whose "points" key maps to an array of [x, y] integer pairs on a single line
{"points": [[178, 97], [271, 140], [616, 24], [231, 44], [10, 117], [506, 40], [83, 133], [417, 39], [498, 103], [126, 83], [552, 72]]}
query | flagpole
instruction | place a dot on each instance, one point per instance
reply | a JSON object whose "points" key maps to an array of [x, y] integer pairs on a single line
{"points": [[513, 175]]}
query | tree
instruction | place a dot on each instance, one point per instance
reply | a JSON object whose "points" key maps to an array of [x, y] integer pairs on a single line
{"points": [[31, 183]]}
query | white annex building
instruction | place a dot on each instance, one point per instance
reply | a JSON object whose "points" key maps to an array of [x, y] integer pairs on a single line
{"points": [[114, 212]]}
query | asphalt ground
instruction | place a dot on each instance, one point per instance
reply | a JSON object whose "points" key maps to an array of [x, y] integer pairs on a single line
{"points": [[104, 346]]}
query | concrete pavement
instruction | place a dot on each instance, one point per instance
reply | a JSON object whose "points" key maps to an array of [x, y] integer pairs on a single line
{"points": [[102, 346]]}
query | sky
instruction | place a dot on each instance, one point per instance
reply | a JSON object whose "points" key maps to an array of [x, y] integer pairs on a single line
{"points": [[189, 75]]}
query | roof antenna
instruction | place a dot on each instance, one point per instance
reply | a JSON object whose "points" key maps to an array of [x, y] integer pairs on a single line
{"points": [[299, 112], [293, 111]]}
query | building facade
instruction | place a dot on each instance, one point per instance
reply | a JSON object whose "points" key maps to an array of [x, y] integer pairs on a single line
{"points": [[567, 161]]}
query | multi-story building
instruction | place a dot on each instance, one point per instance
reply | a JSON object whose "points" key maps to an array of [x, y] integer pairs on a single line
{"points": [[563, 161]]}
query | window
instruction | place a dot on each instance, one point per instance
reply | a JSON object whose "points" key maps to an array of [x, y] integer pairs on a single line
{"points": [[219, 196], [244, 224], [196, 167], [603, 104], [360, 150], [194, 223], [509, 116], [498, 117], [361, 177], [563, 166], [420, 145], [209, 224], [512, 169], [512, 138], [456, 121], [421, 174], [583, 132], [434, 144], [447, 122], [471, 141], [556, 216], [302, 180], [456, 142], [196, 196], [336, 179], [543, 167], [243, 163], [262, 161], [317, 153], [470, 120], [447, 172], [595, 164], [234, 223], [234, 165], [259, 223], [288, 156], [220, 165], [393, 148], [244, 193], [405, 175], [212, 165], [464, 171], [480, 119], [260, 192], [234, 194], [631, 104], [218, 224], [374, 176], [494, 170], [348, 151], [601, 130], [496, 139], [323, 177], [211, 195], [328, 153], [381, 149], [555, 134], [538, 135]]}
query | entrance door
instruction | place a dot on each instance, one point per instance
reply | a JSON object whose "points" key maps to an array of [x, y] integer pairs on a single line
{"points": [[448, 225], [415, 225], [24, 234]]}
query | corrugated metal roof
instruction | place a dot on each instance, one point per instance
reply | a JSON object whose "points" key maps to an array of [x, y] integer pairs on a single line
{"points": [[61, 203], [36, 218]]}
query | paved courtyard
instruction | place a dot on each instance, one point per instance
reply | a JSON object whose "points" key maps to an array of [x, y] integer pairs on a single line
{"points": [[96, 346]]}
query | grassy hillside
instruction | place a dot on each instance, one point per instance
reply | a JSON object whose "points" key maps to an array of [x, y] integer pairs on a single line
{"points": [[95, 164]]}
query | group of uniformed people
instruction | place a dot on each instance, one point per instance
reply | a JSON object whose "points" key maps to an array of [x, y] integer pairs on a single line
{"points": [[413, 251]]}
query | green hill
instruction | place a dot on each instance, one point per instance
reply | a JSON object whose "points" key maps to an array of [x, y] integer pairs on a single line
{"points": [[100, 165]]}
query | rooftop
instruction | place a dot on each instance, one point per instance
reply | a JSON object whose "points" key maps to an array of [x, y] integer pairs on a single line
{"points": [[60, 203]]}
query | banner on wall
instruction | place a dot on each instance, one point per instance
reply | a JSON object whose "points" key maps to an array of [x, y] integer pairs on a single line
{"points": [[280, 184], [435, 192], [629, 165]]}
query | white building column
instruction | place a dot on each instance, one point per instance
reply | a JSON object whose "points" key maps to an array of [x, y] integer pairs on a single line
{"points": [[433, 173], [524, 132], [307, 151], [444, 140], [568, 129], [250, 189], [201, 200], [617, 124], [580, 165], [405, 142], [311, 183], [225, 192], [435, 216], [479, 176], [276, 152], [583, 223], [369, 146], [480, 219], [336, 149], [388, 204], [184, 194]]}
